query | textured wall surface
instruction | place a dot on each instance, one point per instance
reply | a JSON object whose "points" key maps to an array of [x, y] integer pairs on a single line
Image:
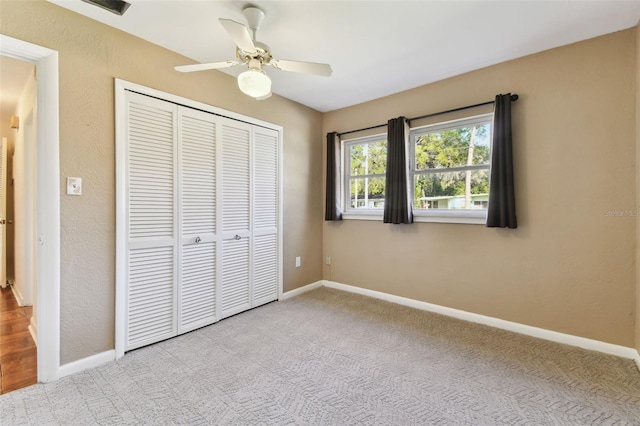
{"points": [[637, 52], [90, 56], [568, 267]]}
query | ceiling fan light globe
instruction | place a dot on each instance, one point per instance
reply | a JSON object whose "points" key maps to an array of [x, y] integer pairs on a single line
{"points": [[254, 83]]}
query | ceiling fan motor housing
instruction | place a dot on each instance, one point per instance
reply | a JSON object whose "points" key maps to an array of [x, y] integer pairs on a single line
{"points": [[262, 53]]}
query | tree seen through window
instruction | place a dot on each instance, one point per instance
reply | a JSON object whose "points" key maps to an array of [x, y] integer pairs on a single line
{"points": [[452, 166]]}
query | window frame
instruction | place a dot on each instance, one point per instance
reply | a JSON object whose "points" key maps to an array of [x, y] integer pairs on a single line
{"points": [[462, 216], [470, 216], [345, 176]]}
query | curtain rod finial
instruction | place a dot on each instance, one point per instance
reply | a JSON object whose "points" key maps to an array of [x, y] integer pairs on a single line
{"points": [[514, 97]]}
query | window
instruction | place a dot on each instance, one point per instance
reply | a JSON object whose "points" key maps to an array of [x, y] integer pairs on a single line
{"points": [[365, 165], [450, 168], [449, 172]]}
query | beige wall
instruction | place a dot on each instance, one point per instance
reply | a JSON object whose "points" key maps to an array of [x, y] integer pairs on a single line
{"points": [[637, 53], [90, 56], [568, 267], [10, 134], [24, 196]]}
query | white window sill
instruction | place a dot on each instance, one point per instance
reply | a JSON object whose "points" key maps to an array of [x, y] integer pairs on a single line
{"points": [[468, 218], [463, 217], [363, 215]]}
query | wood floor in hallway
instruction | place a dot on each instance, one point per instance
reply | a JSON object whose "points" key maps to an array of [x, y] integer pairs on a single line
{"points": [[18, 359]]}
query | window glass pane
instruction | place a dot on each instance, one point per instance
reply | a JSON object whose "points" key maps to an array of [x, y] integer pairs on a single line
{"points": [[357, 160], [469, 145], [377, 158], [368, 158], [366, 193], [452, 190]]}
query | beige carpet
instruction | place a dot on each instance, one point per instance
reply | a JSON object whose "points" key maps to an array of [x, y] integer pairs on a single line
{"points": [[333, 358]]}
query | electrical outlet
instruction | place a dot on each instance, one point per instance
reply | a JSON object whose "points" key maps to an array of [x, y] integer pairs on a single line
{"points": [[298, 261], [328, 260]]}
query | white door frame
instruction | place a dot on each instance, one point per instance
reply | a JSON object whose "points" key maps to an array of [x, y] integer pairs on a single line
{"points": [[48, 201]]}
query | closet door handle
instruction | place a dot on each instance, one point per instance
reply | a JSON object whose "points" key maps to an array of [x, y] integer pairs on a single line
{"points": [[237, 237], [198, 240]]}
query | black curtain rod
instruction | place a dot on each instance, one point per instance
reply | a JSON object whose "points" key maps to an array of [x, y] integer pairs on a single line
{"points": [[514, 98]]}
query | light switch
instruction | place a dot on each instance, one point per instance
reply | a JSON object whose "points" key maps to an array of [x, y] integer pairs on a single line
{"points": [[297, 261], [74, 186]]}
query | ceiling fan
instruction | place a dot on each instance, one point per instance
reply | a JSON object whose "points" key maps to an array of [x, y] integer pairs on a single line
{"points": [[254, 81]]}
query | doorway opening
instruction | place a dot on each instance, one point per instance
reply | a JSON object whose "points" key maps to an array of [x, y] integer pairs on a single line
{"points": [[42, 247], [18, 351]]}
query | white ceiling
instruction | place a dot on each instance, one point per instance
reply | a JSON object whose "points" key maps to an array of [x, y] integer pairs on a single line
{"points": [[375, 48]]}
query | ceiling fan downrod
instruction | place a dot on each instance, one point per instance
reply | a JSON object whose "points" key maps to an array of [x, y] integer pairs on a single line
{"points": [[254, 18]]}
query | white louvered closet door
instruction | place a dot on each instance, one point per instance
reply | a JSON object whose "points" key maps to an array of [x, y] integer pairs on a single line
{"points": [[265, 216], [198, 218], [197, 290], [236, 218], [151, 225]]}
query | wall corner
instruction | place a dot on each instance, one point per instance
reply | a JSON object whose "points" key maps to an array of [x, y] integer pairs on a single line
{"points": [[637, 167]]}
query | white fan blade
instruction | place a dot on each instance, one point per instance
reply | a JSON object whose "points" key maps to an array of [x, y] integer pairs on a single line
{"points": [[209, 66], [239, 34], [304, 67]]}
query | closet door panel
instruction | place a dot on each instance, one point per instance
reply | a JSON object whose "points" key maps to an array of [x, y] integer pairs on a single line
{"points": [[151, 227], [266, 179], [235, 287], [265, 269], [198, 292], [236, 176], [197, 142], [151, 171], [198, 172], [265, 217], [151, 296], [235, 277]]}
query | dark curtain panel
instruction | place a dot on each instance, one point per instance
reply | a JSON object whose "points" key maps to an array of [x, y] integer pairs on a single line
{"points": [[502, 200], [397, 207], [333, 209]]}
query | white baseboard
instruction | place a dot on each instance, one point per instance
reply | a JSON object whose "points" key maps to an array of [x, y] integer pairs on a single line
{"points": [[8, 282], [33, 330], [86, 363], [297, 291], [17, 295], [554, 336], [595, 345]]}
